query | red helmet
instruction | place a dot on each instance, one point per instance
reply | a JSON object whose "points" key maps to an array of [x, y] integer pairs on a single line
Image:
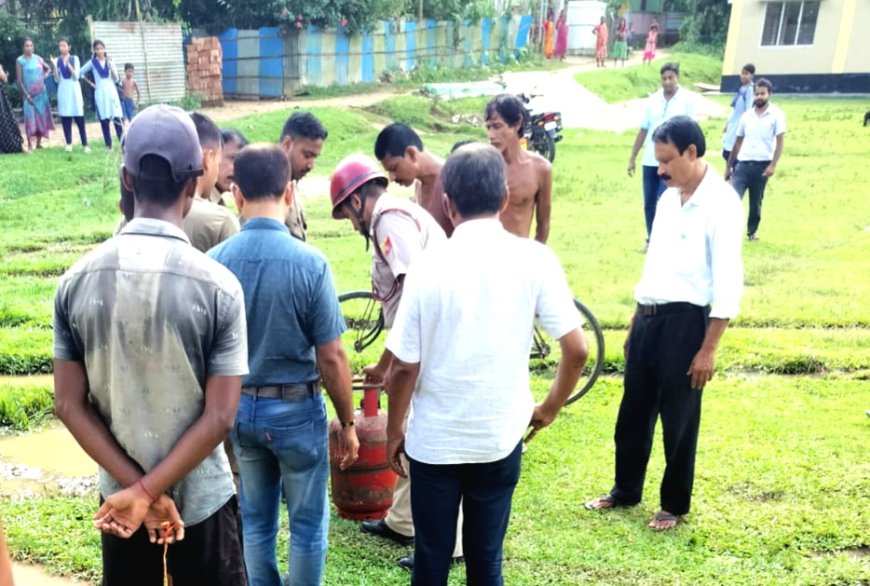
{"points": [[352, 172]]}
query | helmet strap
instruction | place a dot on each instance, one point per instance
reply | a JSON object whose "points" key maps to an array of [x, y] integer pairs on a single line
{"points": [[360, 216]]}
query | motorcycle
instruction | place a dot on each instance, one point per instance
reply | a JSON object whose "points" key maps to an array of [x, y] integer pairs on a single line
{"points": [[542, 130]]}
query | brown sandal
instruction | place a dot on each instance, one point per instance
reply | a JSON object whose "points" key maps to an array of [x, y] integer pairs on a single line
{"points": [[664, 516], [602, 503]]}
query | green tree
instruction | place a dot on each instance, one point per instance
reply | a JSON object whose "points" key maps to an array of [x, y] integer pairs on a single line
{"points": [[707, 22]]}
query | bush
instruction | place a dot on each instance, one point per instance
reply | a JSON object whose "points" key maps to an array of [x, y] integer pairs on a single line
{"points": [[22, 407], [26, 351], [12, 33]]}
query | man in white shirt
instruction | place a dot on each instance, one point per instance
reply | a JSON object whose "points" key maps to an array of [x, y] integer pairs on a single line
{"points": [[694, 260], [670, 101], [461, 344], [760, 138]]}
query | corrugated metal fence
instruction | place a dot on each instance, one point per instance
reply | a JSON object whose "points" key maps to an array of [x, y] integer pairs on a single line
{"points": [[272, 62], [155, 50]]}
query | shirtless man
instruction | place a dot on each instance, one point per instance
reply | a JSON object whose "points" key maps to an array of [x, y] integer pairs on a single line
{"points": [[400, 151], [529, 175]]}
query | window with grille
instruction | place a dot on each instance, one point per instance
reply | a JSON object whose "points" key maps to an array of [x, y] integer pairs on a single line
{"points": [[790, 23]]}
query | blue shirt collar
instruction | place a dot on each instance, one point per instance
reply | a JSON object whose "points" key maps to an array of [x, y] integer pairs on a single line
{"points": [[260, 223]]}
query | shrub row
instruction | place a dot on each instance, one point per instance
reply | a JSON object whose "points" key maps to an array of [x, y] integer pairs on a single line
{"points": [[22, 407]]}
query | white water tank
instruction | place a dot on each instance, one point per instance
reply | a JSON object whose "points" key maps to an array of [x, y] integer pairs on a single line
{"points": [[583, 17]]}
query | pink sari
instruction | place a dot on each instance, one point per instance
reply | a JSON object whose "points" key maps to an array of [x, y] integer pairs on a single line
{"points": [[561, 38]]}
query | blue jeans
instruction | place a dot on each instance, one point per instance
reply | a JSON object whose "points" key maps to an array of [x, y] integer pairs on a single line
{"points": [[129, 107], [283, 442], [486, 491], [653, 188]]}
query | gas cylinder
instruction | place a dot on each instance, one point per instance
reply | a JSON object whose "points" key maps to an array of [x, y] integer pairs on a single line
{"points": [[365, 489]]}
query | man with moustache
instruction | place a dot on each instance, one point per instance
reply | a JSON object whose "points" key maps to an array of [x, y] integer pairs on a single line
{"points": [[760, 138], [301, 140], [670, 101], [693, 262]]}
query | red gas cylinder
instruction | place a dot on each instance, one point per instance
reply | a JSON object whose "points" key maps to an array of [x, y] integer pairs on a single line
{"points": [[364, 490]]}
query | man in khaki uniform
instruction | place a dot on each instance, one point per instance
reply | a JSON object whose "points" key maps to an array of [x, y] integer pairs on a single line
{"points": [[302, 140], [399, 231], [232, 142], [208, 224]]}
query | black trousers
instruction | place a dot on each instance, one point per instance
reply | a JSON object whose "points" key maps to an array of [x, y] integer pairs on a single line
{"points": [[661, 348], [210, 553], [749, 174]]}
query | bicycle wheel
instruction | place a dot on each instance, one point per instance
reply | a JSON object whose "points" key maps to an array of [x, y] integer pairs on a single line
{"points": [[545, 354], [364, 319]]}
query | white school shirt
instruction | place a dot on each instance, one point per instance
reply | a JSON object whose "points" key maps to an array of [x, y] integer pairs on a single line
{"points": [[759, 133], [658, 109], [695, 249], [466, 316]]}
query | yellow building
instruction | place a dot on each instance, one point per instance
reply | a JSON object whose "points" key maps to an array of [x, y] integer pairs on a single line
{"points": [[801, 46]]}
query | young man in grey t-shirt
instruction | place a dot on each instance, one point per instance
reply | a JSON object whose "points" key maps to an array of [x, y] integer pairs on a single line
{"points": [[150, 345]]}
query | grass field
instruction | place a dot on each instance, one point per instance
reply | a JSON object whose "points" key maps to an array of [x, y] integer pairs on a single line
{"points": [[783, 477], [617, 84]]}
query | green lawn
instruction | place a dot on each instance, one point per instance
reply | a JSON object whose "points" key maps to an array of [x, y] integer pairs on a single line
{"points": [[617, 84], [783, 477]]}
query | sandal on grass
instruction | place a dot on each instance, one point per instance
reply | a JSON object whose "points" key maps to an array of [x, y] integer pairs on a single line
{"points": [[664, 517], [602, 503]]}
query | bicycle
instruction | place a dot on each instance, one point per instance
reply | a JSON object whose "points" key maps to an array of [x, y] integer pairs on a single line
{"points": [[365, 324]]}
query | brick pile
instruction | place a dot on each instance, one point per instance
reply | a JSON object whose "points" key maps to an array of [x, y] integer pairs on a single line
{"points": [[204, 64]]}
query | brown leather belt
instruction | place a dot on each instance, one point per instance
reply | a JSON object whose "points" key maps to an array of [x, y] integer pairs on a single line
{"points": [[666, 308], [291, 392]]}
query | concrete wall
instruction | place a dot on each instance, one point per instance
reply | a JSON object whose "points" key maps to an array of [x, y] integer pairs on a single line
{"points": [[857, 59], [837, 61], [272, 63]]}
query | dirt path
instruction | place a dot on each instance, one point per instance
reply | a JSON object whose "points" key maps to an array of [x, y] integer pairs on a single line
{"points": [[232, 110], [36, 576], [580, 107]]}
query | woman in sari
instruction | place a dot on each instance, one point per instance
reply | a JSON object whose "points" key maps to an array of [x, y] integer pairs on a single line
{"points": [[548, 36], [31, 71], [10, 136], [561, 37]]}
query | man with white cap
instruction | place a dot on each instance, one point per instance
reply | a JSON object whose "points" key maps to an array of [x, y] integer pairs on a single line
{"points": [[150, 347]]}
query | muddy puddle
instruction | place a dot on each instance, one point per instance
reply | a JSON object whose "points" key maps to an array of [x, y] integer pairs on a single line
{"points": [[42, 461]]}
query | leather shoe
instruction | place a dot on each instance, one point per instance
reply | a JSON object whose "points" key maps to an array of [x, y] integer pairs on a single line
{"points": [[407, 562], [381, 529]]}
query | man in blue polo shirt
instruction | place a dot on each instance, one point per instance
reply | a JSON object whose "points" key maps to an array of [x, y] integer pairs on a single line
{"points": [[294, 341]]}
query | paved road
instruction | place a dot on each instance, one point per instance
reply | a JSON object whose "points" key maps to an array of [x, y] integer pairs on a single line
{"points": [[583, 109]]}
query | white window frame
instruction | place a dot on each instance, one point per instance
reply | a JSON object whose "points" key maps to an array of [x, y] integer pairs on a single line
{"points": [[778, 43]]}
